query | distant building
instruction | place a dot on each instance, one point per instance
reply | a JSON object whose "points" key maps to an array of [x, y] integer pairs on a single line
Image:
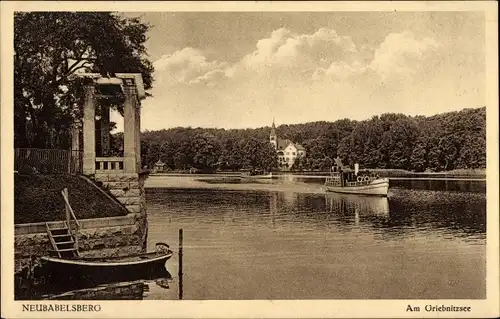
{"points": [[288, 151], [159, 167]]}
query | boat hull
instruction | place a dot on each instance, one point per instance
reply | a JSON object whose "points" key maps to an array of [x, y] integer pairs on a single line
{"points": [[268, 176], [378, 187], [95, 271]]}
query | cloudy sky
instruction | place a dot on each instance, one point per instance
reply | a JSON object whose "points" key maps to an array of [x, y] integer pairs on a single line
{"points": [[236, 70]]}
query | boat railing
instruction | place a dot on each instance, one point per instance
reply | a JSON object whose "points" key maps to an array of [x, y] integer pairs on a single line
{"points": [[333, 180], [70, 215], [356, 183]]}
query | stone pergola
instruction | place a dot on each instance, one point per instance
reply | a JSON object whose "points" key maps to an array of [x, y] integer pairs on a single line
{"points": [[129, 88]]}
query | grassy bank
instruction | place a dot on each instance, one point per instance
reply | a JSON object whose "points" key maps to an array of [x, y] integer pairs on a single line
{"points": [[37, 198]]}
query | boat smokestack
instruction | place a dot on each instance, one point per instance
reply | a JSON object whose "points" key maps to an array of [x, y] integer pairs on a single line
{"points": [[356, 168]]}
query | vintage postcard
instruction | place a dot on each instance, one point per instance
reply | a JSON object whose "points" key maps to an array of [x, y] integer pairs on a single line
{"points": [[249, 159]]}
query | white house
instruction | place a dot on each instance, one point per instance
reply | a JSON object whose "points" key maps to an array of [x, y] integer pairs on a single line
{"points": [[287, 150]]}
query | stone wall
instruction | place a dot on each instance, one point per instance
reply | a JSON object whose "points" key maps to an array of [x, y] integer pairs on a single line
{"points": [[128, 190], [110, 236], [97, 237]]}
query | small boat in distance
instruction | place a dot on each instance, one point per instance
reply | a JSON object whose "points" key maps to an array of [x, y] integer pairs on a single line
{"points": [[344, 180], [108, 269], [267, 176]]}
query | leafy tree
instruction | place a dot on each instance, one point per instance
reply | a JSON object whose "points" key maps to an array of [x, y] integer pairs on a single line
{"points": [[473, 153], [206, 152], [153, 153], [269, 158], [345, 150], [433, 155], [49, 48], [404, 134], [449, 145], [418, 157]]}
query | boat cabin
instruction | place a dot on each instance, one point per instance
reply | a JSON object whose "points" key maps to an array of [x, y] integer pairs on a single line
{"points": [[342, 176]]}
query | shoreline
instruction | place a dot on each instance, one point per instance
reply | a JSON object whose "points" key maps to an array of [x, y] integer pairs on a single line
{"points": [[410, 176], [389, 172], [193, 181]]}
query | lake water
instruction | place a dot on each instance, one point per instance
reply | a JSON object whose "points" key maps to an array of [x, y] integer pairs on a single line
{"points": [[289, 239]]}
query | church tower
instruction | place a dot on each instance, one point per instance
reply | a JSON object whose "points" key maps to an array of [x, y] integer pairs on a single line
{"points": [[273, 138]]}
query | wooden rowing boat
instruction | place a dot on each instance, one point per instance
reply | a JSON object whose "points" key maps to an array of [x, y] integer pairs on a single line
{"points": [[107, 269]]}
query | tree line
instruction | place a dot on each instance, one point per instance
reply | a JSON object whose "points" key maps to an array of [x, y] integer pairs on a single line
{"points": [[454, 140]]}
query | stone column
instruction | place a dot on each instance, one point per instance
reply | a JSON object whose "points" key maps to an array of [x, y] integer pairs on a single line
{"points": [[75, 145], [105, 141], [138, 135], [89, 130], [130, 136], [75, 136]]}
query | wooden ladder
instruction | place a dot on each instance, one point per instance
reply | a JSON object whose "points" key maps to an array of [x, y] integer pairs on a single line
{"points": [[63, 242]]}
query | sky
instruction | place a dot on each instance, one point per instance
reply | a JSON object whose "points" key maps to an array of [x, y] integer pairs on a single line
{"points": [[242, 69]]}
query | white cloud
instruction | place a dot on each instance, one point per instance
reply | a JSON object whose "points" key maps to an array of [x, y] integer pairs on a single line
{"points": [[290, 76], [210, 78], [299, 52], [339, 70], [401, 54], [323, 54], [184, 66]]}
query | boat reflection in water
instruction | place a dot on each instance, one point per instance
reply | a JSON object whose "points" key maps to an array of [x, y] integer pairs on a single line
{"points": [[125, 290], [50, 281], [358, 205], [116, 291]]}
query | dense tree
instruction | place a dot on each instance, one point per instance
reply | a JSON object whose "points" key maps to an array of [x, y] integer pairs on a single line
{"points": [[473, 153], [403, 136], [49, 47], [153, 153], [441, 142], [206, 152], [418, 155]]}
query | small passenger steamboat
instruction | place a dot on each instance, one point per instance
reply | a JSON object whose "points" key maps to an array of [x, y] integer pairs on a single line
{"points": [[344, 180]]}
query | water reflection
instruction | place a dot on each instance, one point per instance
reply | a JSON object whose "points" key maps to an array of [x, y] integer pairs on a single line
{"points": [[294, 241], [364, 212], [307, 241], [129, 287], [406, 211], [473, 186], [117, 291], [366, 205], [461, 214]]}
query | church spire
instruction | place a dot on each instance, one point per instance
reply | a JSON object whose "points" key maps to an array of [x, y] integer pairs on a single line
{"points": [[273, 138]]}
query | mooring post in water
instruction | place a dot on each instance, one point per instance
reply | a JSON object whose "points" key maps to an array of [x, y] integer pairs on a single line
{"points": [[29, 273], [180, 264]]}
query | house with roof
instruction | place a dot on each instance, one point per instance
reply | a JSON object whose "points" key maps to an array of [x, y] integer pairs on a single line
{"points": [[287, 150]]}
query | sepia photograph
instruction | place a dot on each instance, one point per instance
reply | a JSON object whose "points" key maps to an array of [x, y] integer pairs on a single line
{"points": [[244, 155]]}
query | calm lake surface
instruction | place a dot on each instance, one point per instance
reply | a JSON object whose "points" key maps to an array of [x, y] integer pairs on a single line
{"points": [[289, 239]]}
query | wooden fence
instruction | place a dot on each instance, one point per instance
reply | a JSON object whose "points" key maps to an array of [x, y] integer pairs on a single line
{"points": [[48, 161]]}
